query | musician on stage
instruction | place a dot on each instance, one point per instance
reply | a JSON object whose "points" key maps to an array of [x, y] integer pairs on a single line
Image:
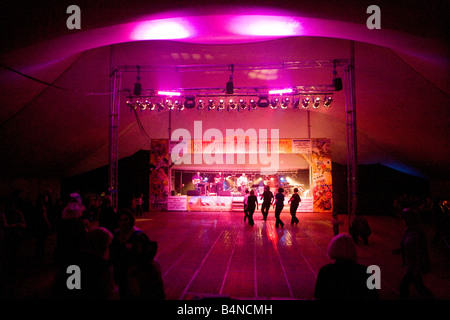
{"points": [[242, 182], [218, 181], [196, 180]]}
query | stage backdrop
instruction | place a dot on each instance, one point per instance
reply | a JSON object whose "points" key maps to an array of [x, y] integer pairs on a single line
{"points": [[316, 152]]}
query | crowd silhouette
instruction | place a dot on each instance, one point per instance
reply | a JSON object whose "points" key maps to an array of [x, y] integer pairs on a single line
{"points": [[119, 260]]}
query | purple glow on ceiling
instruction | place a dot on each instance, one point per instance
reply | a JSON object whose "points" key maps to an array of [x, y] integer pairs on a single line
{"points": [[264, 25], [162, 29]]}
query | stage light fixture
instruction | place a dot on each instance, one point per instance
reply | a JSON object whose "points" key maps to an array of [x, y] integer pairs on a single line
{"points": [[327, 102], [242, 104], [232, 104], [177, 104], [152, 106], [285, 103], [221, 105], [316, 103], [131, 105], [189, 102], [211, 104], [274, 103], [169, 104], [295, 103], [200, 104], [253, 104], [263, 101], [160, 106], [305, 103]]}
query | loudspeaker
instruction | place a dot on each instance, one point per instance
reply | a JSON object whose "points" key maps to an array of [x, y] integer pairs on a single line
{"points": [[137, 89], [230, 87], [337, 84], [193, 193]]}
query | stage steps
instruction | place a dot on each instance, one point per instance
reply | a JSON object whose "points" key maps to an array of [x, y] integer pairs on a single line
{"points": [[237, 204]]}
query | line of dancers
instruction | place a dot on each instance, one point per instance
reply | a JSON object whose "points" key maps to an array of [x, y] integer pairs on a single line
{"points": [[251, 204]]}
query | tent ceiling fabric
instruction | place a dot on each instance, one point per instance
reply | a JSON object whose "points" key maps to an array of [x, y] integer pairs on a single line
{"points": [[402, 77]]}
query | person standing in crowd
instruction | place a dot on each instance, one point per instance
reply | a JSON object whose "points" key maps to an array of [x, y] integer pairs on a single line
{"points": [[359, 228], [96, 281], [124, 252], [268, 199], [247, 194], [252, 204], [415, 257], [107, 215], [279, 204], [14, 233], [345, 279], [42, 227], [294, 201], [335, 222], [71, 231]]}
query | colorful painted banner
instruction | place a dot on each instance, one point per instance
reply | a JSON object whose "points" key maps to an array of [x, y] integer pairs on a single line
{"points": [[322, 187]]}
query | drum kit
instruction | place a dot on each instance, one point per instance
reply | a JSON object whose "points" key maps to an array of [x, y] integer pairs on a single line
{"points": [[238, 184]]}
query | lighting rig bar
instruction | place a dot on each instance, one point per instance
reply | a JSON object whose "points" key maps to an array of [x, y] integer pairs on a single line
{"points": [[238, 67]]}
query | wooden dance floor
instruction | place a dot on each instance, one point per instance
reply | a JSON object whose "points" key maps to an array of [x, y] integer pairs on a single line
{"points": [[217, 254]]}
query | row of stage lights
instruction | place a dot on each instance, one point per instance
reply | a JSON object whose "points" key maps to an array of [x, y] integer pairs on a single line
{"points": [[229, 104]]}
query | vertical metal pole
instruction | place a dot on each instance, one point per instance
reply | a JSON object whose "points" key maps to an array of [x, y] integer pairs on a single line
{"points": [[310, 155], [114, 130], [169, 170], [352, 159]]}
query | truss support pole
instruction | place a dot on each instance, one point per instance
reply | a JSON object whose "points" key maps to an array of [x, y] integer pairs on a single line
{"points": [[352, 159], [114, 130]]}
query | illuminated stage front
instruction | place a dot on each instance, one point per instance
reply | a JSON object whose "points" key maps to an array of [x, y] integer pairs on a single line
{"points": [[304, 164]]}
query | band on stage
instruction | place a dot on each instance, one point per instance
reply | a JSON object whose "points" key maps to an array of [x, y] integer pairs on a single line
{"points": [[217, 183]]}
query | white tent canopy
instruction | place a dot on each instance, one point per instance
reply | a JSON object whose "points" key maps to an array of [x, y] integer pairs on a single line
{"points": [[58, 126]]}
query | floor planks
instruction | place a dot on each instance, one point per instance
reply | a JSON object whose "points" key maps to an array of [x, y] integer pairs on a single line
{"points": [[217, 254]]}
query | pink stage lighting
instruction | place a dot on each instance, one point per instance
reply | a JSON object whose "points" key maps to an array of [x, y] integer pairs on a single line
{"points": [[169, 93], [162, 29], [280, 91], [262, 25]]}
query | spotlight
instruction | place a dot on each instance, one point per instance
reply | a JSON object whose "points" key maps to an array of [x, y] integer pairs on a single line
{"points": [[263, 101], [295, 103], [274, 103], [221, 105], [200, 105], [189, 102], [178, 105], [160, 106], [152, 106], [145, 105], [285, 103], [242, 104], [327, 102], [316, 103], [169, 104], [131, 105], [211, 104], [305, 103], [232, 104], [253, 104]]}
